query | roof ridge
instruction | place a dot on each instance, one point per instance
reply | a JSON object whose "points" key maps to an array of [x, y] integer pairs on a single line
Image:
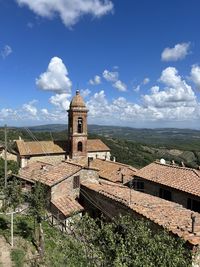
{"points": [[115, 162], [174, 166]]}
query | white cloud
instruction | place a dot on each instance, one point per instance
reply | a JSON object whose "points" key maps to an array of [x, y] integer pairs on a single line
{"points": [[179, 51], [70, 11], [95, 81], [120, 86], [30, 108], [177, 92], [55, 78], [6, 51], [137, 88], [60, 100], [146, 80], [110, 76], [195, 75], [85, 92]]}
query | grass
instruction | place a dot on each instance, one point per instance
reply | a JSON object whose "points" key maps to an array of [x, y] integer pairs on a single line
{"points": [[18, 257]]}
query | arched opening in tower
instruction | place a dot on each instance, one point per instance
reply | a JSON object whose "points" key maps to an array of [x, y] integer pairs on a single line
{"points": [[80, 146], [80, 125]]}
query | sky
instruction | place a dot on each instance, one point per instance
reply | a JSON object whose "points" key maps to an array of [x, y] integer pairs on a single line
{"points": [[135, 62]]}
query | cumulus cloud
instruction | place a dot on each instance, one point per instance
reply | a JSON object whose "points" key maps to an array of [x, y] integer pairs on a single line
{"points": [[144, 82], [60, 100], [30, 108], [85, 92], [120, 86], [195, 75], [178, 52], [177, 92], [70, 11], [6, 51], [110, 76], [55, 78], [95, 81]]}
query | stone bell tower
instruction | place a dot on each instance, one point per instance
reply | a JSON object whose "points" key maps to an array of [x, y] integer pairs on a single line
{"points": [[77, 127]]}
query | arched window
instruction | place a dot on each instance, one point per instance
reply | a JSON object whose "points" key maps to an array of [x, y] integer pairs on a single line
{"points": [[80, 146], [80, 125]]}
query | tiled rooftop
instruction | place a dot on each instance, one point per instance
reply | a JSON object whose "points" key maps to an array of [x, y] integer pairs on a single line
{"points": [[94, 145], [181, 178], [67, 205], [167, 214], [47, 173], [113, 171], [31, 148]]}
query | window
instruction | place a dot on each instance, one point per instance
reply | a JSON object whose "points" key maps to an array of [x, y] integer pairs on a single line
{"points": [[80, 125], [166, 194], [76, 182], [193, 204], [138, 185], [80, 146]]}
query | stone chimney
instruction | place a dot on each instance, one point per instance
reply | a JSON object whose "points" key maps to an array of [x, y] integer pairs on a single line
{"points": [[182, 164]]}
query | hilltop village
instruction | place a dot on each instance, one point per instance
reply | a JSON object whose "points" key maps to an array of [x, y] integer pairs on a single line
{"points": [[80, 175]]}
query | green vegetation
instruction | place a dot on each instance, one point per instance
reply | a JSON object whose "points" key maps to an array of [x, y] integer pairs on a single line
{"points": [[123, 242], [137, 147], [18, 256]]}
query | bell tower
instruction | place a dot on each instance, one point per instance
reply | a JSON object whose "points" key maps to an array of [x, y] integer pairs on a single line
{"points": [[77, 127]]}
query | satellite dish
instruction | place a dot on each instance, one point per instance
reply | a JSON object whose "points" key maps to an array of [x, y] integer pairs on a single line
{"points": [[162, 161]]}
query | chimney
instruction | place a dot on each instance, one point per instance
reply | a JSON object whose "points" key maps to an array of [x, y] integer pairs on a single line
{"points": [[114, 159], [193, 217], [89, 160], [122, 178], [182, 164], [173, 162]]}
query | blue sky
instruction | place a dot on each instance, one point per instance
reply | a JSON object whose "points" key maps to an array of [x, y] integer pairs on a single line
{"points": [[136, 62]]}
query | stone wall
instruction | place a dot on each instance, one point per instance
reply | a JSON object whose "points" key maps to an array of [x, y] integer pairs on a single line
{"points": [[177, 195], [24, 161], [10, 156], [65, 188]]}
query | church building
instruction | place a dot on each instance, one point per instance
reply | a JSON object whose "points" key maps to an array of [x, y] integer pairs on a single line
{"points": [[77, 145]]}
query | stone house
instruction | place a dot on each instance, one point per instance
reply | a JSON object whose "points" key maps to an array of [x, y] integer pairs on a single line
{"points": [[113, 199], [62, 184], [113, 171], [171, 182]]}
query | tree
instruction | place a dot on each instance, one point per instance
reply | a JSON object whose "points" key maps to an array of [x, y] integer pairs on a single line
{"points": [[124, 242], [38, 201], [13, 194]]}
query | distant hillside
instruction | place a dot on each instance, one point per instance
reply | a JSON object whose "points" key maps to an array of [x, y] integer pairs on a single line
{"points": [[137, 147]]}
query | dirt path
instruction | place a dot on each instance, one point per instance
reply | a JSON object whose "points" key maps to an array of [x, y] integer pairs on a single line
{"points": [[5, 260]]}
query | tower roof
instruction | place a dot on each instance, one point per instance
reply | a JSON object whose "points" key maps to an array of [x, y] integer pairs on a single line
{"points": [[77, 101]]}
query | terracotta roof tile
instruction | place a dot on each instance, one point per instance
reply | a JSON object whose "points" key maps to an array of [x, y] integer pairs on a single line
{"points": [[41, 147], [96, 145], [113, 171], [181, 178], [67, 205], [47, 173], [31, 148], [167, 214]]}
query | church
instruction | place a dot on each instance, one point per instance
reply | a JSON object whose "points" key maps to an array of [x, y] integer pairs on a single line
{"points": [[76, 147]]}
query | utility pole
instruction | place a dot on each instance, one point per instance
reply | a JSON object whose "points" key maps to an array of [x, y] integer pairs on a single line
{"points": [[11, 229], [5, 156]]}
